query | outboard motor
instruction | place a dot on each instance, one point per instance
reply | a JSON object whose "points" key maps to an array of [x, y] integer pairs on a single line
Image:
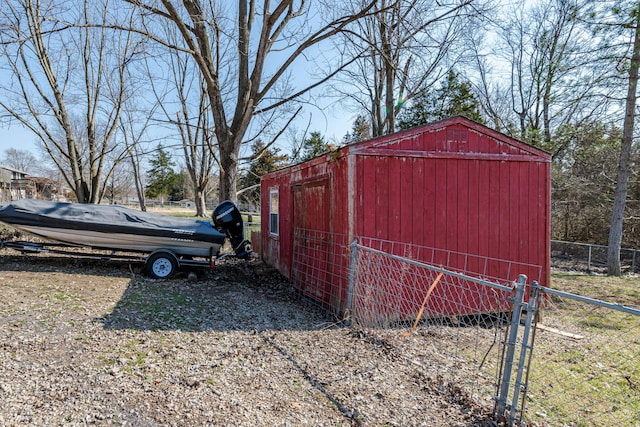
{"points": [[227, 219]]}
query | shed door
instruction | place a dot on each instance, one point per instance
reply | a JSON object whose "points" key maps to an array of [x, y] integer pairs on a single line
{"points": [[312, 240]]}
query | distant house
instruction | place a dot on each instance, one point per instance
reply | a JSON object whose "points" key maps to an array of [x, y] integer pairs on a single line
{"points": [[17, 184], [46, 188], [9, 174], [14, 184]]}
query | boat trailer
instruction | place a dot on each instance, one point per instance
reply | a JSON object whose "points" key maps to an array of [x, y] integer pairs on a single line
{"points": [[159, 264]]}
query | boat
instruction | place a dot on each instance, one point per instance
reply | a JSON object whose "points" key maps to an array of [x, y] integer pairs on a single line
{"points": [[123, 229]]}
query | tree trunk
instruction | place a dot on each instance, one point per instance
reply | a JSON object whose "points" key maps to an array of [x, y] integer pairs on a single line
{"points": [[135, 164], [201, 206], [228, 171], [624, 164]]}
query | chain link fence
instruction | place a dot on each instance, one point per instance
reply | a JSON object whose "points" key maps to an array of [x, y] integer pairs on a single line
{"points": [[450, 325], [586, 364], [539, 356]]}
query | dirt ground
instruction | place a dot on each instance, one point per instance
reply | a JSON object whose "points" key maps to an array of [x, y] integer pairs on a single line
{"points": [[97, 342]]}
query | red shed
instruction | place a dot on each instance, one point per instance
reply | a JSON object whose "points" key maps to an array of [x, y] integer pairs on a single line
{"points": [[454, 185]]}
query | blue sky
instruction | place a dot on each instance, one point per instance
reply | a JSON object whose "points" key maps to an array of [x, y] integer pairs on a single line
{"points": [[18, 137]]}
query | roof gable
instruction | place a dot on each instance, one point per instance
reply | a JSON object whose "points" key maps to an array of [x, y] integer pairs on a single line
{"points": [[15, 171], [456, 135]]}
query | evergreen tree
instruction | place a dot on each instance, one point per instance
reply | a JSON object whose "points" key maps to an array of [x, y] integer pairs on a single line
{"points": [[360, 131], [265, 160], [182, 187], [454, 98], [314, 146], [161, 176]]}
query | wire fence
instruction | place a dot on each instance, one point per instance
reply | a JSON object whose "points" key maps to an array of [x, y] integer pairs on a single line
{"points": [[590, 258], [586, 364], [537, 355], [450, 325], [320, 267]]}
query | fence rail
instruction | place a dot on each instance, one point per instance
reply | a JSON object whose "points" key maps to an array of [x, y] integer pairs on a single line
{"points": [[539, 356], [386, 289], [461, 319], [590, 258], [586, 367]]}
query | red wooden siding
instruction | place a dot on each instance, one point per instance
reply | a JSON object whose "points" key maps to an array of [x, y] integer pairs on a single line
{"points": [[454, 185], [485, 208]]}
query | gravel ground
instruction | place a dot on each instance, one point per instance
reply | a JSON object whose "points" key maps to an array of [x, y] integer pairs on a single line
{"points": [[95, 342]]}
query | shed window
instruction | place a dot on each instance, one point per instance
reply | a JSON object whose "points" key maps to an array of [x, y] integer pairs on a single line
{"points": [[273, 212]]}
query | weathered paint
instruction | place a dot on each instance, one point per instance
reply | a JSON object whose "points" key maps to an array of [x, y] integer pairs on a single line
{"points": [[454, 185]]}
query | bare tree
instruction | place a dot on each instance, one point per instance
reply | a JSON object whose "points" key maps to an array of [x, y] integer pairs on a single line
{"points": [[134, 125], [624, 162], [67, 84], [22, 160], [135, 159], [551, 81], [182, 98], [244, 52], [491, 92], [119, 185], [198, 155], [403, 49]]}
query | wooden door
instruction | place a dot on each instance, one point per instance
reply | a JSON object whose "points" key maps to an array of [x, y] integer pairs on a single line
{"points": [[311, 267]]}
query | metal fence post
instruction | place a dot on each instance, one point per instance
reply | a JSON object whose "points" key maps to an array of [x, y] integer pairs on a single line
{"points": [[526, 348], [501, 405], [352, 276]]}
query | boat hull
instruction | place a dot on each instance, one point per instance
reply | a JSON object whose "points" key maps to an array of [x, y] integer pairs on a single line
{"points": [[124, 242], [113, 227]]}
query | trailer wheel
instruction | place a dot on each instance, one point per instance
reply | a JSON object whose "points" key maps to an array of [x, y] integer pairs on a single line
{"points": [[161, 265]]}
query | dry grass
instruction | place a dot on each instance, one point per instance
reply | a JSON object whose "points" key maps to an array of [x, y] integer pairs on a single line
{"points": [[586, 371], [86, 342]]}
